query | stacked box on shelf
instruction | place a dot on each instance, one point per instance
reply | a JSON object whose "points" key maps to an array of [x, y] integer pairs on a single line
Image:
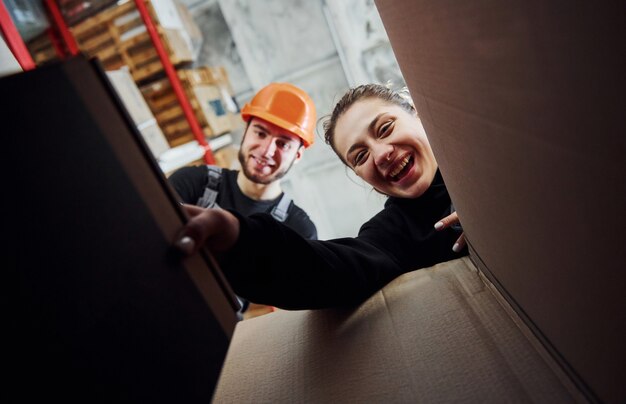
{"points": [[139, 111], [204, 88], [168, 112], [42, 49], [118, 37], [209, 91]]}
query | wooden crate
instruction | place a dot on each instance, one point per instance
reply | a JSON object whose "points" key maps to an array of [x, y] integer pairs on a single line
{"points": [[169, 114], [42, 50], [208, 90], [118, 37], [203, 88], [226, 157]]}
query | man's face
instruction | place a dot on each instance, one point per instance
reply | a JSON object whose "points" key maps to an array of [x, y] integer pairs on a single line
{"points": [[267, 152]]}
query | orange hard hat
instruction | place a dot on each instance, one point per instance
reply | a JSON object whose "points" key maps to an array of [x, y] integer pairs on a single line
{"points": [[287, 107]]}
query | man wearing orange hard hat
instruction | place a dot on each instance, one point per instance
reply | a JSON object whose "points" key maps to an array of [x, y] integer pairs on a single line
{"points": [[280, 125], [280, 121]]}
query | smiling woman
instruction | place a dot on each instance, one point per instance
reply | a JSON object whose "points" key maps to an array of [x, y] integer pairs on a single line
{"points": [[375, 132], [385, 145]]}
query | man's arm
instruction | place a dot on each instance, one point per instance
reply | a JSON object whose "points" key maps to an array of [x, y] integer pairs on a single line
{"points": [[301, 223]]}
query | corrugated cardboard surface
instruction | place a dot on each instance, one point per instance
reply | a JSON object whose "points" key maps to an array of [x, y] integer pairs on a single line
{"points": [[433, 335], [523, 102]]}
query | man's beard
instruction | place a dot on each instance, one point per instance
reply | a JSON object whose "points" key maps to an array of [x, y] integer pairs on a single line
{"points": [[262, 179]]}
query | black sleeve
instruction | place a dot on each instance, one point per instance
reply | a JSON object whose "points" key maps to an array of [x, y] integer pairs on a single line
{"points": [[271, 264], [189, 183]]}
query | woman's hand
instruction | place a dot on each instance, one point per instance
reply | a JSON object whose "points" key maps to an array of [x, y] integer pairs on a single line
{"points": [[448, 221], [217, 229]]}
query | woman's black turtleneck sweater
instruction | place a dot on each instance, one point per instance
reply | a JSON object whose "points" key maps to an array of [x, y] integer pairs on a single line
{"points": [[271, 264]]}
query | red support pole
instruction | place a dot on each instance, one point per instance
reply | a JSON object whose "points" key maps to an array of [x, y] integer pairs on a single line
{"points": [[14, 40], [56, 43], [174, 81], [59, 22]]}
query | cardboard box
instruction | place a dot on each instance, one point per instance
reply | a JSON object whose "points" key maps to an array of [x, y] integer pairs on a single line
{"points": [[153, 136], [227, 157], [433, 335], [191, 153], [139, 111], [206, 89], [523, 104], [8, 63], [210, 102]]}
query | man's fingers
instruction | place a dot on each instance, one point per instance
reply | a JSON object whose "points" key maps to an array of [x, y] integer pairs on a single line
{"points": [[196, 231], [186, 244], [192, 210], [447, 221], [216, 229]]}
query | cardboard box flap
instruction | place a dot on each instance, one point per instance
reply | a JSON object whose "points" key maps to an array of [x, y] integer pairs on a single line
{"points": [[433, 335], [523, 104]]}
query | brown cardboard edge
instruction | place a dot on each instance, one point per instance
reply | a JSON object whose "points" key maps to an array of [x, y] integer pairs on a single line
{"points": [[555, 361]]}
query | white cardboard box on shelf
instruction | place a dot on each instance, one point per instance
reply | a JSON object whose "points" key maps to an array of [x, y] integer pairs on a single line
{"points": [[182, 155], [139, 111], [8, 63]]}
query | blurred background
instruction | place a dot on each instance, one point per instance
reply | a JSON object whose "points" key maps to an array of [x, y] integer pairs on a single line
{"points": [[224, 51]]}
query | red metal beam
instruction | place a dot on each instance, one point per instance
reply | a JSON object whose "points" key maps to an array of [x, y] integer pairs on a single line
{"points": [[59, 23], [14, 40], [174, 81], [56, 43]]}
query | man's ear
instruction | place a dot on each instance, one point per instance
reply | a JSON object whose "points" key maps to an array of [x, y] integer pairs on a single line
{"points": [[299, 154]]}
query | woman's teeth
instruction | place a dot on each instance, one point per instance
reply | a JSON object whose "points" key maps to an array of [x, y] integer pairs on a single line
{"points": [[400, 166]]}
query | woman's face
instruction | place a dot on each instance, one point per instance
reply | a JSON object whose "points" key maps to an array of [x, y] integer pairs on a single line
{"points": [[387, 147]]}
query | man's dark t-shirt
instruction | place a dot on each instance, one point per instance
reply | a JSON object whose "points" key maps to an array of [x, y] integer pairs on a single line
{"points": [[190, 183]]}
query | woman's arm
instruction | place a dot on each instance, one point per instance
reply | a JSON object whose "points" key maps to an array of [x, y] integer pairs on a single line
{"points": [[269, 263]]}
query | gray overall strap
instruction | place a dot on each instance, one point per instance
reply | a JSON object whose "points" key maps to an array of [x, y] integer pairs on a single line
{"points": [[280, 210], [209, 198]]}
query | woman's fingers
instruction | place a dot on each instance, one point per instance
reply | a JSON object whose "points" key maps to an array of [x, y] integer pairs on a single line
{"points": [[447, 221], [460, 244]]}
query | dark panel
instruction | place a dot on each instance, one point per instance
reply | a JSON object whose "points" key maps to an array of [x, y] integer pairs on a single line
{"points": [[104, 310]]}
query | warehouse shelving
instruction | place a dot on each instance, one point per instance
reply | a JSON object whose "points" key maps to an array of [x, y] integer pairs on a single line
{"points": [[18, 48]]}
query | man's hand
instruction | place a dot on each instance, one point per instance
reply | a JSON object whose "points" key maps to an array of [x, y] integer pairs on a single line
{"points": [[448, 221], [217, 229]]}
